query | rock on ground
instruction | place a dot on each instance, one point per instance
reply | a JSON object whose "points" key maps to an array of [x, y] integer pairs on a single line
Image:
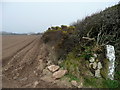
{"points": [[74, 83], [92, 59], [53, 68], [90, 65], [99, 65], [94, 65], [35, 84], [80, 85], [95, 55], [97, 73], [59, 74]]}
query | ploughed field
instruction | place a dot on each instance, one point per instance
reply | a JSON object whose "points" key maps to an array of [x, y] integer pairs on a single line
{"points": [[11, 44], [23, 60]]}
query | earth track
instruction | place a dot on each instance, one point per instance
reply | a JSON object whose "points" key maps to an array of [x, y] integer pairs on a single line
{"points": [[25, 66]]}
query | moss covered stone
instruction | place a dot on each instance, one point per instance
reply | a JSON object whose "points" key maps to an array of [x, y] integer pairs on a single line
{"points": [[104, 70]]}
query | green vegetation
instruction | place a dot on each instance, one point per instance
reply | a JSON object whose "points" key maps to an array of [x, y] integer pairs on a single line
{"points": [[104, 27], [100, 29], [72, 64], [72, 77], [93, 82], [100, 83], [111, 83], [87, 53]]}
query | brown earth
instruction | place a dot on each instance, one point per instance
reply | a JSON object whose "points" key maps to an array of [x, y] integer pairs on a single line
{"points": [[24, 57]]}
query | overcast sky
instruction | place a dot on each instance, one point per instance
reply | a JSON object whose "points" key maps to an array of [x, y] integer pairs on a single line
{"points": [[22, 17]]}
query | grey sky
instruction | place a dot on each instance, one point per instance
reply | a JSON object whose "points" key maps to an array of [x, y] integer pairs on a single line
{"points": [[25, 17]]}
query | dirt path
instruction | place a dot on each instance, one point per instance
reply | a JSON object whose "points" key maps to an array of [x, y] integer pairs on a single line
{"points": [[23, 68]]}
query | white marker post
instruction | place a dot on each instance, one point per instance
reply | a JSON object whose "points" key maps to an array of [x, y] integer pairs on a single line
{"points": [[111, 56]]}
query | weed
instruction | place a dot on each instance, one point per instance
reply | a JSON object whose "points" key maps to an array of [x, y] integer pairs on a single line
{"points": [[101, 83], [72, 64], [111, 83], [72, 77], [93, 82]]}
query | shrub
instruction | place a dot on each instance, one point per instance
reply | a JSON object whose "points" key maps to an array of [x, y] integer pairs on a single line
{"points": [[63, 27]]}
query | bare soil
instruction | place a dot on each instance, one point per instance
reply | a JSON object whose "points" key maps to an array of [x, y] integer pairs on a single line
{"points": [[23, 59]]}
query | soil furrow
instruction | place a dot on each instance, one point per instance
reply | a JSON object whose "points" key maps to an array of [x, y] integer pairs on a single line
{"points": [[6, 60]]}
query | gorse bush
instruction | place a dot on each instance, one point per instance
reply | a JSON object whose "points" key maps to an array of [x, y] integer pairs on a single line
{"points": [[62, 38]]}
